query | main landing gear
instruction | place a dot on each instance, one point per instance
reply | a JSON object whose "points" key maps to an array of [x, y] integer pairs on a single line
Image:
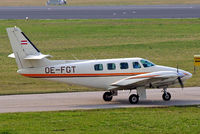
{"points": [[107, 96], [133, 99], [166, 95]]}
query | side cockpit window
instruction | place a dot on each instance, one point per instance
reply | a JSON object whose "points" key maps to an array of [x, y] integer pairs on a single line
{"points": [[124, 65], [98, 67], [136, 65], [146, 63], [111, 66]]}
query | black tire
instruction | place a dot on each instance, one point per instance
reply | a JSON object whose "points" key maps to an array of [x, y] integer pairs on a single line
{"points": [[166, 96], [133, 99], [107, 96]]}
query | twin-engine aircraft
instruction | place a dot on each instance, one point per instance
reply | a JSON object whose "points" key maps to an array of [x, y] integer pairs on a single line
{"points": [[110, 74]]}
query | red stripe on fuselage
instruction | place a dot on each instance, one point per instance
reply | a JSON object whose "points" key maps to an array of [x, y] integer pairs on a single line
{"points": [[80, 75]]}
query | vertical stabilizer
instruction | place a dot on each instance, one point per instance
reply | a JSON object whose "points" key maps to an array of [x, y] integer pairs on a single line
{"points": [[25, 52]]}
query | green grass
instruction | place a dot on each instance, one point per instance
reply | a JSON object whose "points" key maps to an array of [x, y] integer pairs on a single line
{"points": [[121, 121], [163, 41]]}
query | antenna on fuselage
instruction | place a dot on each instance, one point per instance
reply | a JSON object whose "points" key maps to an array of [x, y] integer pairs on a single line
{"points": [[74, 57], [93, 56]]}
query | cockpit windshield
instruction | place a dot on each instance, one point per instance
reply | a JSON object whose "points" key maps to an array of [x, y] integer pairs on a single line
{"points": [[146, 63]]}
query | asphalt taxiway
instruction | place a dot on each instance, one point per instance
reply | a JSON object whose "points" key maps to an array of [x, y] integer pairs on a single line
{"points": [[101, 12], [93, 100]]}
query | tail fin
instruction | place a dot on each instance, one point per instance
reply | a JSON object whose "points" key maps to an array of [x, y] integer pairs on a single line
{"points": [[25, 52]]}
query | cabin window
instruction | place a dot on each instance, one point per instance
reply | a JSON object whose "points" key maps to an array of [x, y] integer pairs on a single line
{"points": [[124, 65], [136, 65], [146, 63], [111, 66], [98, 67]]}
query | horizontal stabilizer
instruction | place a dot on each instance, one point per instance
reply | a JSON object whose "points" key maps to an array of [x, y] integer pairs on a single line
{"points": [[37, 57], [11, 55]]}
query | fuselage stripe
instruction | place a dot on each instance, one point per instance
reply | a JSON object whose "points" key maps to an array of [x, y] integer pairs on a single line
{"points": [[80, 75]]}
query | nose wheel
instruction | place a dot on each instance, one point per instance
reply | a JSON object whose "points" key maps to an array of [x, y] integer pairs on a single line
{"points": [[166, 95]]}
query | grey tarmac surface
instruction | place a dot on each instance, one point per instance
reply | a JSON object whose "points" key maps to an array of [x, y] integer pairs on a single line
{"points": [[93, 100], [101, 12]]}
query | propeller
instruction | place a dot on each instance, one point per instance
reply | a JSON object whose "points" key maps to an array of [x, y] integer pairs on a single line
{"points": [[179, 78], [180, 82]]}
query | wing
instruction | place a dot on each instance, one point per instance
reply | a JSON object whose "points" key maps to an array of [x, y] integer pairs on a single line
{"points": [[154, 79]]}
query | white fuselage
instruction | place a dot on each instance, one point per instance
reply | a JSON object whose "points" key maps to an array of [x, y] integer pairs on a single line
{"points": [[83, 72]]}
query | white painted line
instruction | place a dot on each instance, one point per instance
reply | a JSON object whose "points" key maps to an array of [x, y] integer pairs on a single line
{"points": [[133, 12]]}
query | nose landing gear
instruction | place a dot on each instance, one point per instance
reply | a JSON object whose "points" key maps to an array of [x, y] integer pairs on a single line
{"points": [[166, 95]]}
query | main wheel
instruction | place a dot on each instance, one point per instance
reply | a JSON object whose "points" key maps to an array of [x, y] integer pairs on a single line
{"points": [[166, 96], [107, 96], [133, 99]]}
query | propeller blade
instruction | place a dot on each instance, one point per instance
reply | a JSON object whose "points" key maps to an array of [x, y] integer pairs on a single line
{"points": [[180, 82]]}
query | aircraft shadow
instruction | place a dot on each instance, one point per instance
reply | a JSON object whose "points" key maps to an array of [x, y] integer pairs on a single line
{"points": [[146, 103]]}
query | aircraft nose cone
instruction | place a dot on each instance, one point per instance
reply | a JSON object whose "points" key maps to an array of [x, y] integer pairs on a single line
{"points": [[187, 74]]}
